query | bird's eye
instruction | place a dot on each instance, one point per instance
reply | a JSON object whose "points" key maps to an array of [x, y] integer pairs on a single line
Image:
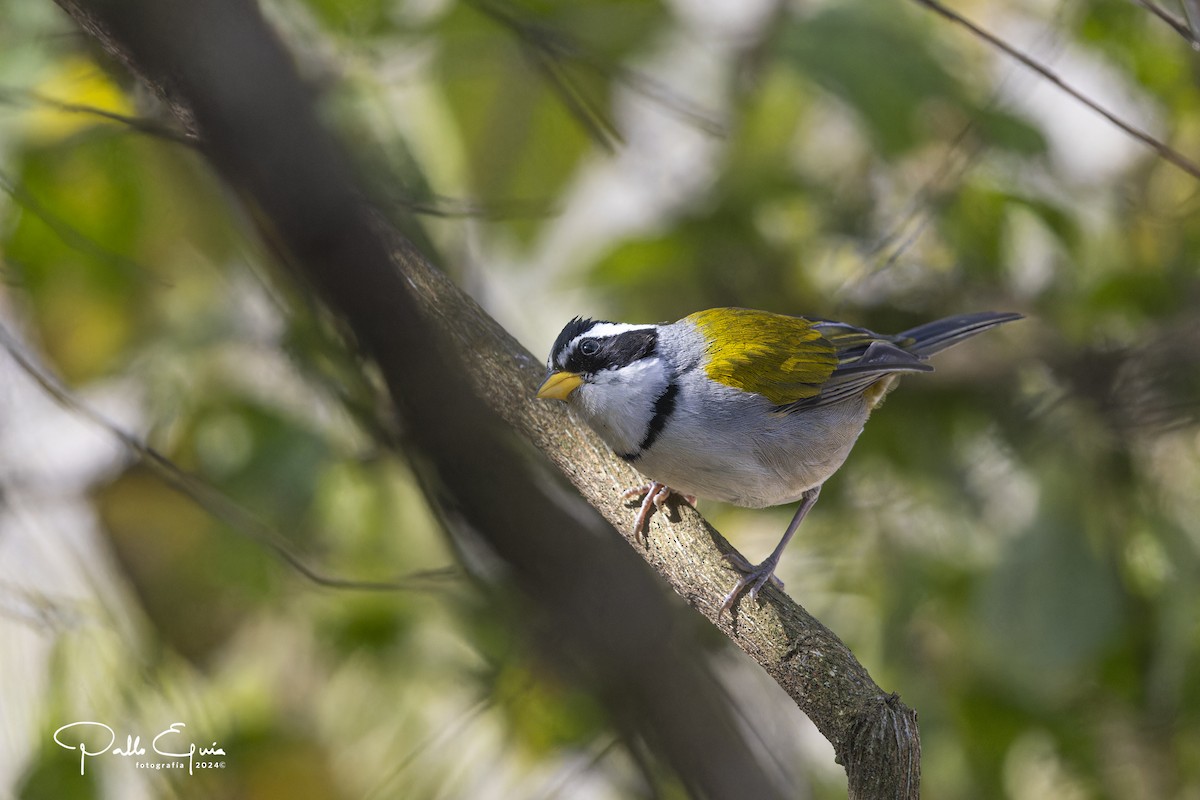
{"points": [[589, 347]]}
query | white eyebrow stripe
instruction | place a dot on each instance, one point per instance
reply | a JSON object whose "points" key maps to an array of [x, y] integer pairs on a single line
{"points": [[604, 330]]}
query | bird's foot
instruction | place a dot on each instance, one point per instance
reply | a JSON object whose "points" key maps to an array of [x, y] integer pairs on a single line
{"points": [[655, 496], [754, 578]]}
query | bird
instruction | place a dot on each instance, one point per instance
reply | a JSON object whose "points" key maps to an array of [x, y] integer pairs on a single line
{"points": [[748, 407]]}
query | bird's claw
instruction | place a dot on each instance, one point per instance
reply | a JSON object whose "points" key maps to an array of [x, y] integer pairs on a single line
{"points": [[655, 496], [754, 578]]}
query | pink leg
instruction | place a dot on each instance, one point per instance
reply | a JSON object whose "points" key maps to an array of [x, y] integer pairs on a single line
{"points": [[756, 576], [656, 494]]}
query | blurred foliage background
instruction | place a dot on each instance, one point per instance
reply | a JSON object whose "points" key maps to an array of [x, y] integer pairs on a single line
{"points": [[1014, 545]]}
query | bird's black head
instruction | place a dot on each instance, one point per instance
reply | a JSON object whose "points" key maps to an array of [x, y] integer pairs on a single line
{"points": [[587, 346]]}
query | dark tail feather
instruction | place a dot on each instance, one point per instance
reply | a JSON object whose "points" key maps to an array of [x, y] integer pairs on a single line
{"points": [[933, 337]]}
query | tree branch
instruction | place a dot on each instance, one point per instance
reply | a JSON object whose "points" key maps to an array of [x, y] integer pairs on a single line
{"points": [[225, 76], [208, 498], [1164, 150], [804, 657], [1175, 24]]}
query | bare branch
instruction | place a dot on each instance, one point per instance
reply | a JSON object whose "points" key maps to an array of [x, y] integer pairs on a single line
{"points": [[206, 496], [67, 233], [142, 125], [1178, 25], [554, 48], [1191, 10], [1164, 150]]}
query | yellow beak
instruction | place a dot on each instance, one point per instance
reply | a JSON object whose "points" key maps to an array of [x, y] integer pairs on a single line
{"points": [[559, 385]]}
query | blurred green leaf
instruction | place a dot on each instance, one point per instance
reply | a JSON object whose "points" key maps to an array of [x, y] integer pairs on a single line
{"points": [[354, 17], [883, 63], [53, 774], [543, 713], [1051, 607], [261, 457], [530, 87], [370, 622], [197, 581], [876, 62]]}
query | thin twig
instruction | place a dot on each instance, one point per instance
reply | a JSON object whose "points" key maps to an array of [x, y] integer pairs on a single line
{"points": [[1164, 150], [67, 233], [936, 186], [559, 47], [139, 124], [208, 498], [548, 60], [37, 610], [449, 731], [1177, 24], [599, 127], [1191, 10]]}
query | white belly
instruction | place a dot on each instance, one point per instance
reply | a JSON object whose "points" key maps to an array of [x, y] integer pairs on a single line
{"points": [[770, 462]]}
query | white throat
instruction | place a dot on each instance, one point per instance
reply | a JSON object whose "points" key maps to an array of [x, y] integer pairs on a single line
{"points": [[619, 404]]}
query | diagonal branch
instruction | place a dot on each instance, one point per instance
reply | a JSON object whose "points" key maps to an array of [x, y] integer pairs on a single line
{"points": [[1164, 150], [208, 498], [1177, 25], [145, 126]]}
